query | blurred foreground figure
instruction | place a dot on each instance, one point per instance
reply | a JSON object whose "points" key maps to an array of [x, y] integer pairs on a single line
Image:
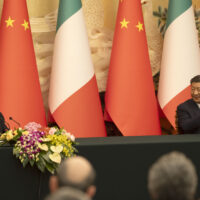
{"points": [[68, 194], [77, 173], [172, 177]]}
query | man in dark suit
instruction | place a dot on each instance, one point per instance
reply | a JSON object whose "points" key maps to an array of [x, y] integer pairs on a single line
{"points": [[3, 126], [188, 113]]}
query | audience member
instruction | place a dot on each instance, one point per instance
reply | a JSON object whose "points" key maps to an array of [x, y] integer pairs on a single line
{"points": [[75, 172], [68, 194], [172, 177]]}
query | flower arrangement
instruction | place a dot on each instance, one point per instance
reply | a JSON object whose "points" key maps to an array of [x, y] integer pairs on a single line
{"points": [[45, 147]]}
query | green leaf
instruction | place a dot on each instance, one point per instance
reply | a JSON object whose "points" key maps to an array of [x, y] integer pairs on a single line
{"points": [[159, 9], [46, 157], [162, 29], [25, 162], [156, 14], [159, 22], [42, 160], [2, 143], [17, 155], [50, 168], [75, 150], [31, 162], [40, 166]]}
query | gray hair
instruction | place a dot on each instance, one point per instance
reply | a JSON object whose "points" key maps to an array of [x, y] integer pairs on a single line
{"points": [[68, 194], [64, 179], [172, 177]]}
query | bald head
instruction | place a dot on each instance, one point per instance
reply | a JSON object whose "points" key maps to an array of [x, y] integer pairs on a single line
{"points": [[77, 169], [76, 172]]}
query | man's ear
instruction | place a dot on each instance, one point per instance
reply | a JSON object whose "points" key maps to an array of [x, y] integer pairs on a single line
{"points": [[53, 184], [91, 191], [154, 196]]}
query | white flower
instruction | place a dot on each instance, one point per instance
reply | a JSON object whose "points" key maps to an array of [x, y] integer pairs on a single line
{"points": [[72, 138], [46, 139], [55, 157], [52, 131], [43, 147], [56, 149]]}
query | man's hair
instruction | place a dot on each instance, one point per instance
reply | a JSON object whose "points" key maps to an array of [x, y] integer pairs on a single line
{"points": [[65, 180], [195, 79], [172, 177], [68, 194]]}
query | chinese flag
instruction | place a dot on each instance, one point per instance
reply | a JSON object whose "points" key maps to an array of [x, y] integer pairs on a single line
{"points": [[130, 97], [20, 93]]}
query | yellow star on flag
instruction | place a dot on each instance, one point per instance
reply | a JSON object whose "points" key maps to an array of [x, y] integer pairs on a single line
{"points": [[25, 25], [124, 23], [9, 22], [140, 26]]}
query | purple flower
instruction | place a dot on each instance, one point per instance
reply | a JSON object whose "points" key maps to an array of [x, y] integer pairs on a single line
{"points": [[29, 143]]}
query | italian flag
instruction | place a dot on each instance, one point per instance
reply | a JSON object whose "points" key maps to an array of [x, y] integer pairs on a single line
{"points": [[73, 99], [181, 58]]}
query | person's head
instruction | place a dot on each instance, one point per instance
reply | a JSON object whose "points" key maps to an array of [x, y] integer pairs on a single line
{"points": [[195, 88], [75, 172], [68, 194], [172, 177]]}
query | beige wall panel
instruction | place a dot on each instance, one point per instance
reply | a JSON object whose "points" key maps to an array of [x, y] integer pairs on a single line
{"points": [[164, 3], [39, 8], [156, 3], [1, 5], [110, 12], [197, 3]]}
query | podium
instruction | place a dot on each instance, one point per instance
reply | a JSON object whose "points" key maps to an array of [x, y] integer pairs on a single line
{"points": [[121, 163]]}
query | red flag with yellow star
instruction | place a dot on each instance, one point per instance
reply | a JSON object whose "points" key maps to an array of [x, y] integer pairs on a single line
{"points": [[130, 100], [20, 93]]}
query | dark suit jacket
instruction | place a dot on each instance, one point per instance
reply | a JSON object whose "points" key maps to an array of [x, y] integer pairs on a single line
{"points": [[188, 114]]}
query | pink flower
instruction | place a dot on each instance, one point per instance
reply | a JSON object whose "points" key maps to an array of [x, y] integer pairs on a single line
{"points": [[52, 131], [32, 126]]}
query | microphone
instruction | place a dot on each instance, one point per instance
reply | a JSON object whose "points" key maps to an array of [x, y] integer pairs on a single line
{"points": [[10, 118]]}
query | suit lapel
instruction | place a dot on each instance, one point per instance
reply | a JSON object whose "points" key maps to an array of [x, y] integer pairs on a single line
{"points": [[194, 107]]}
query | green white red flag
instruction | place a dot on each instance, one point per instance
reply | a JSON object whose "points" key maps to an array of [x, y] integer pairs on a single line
{"points": [[73, 99], [180, 58]]}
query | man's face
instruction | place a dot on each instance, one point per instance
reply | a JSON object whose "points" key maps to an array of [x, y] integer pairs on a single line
{"points": [[195, 91]]}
